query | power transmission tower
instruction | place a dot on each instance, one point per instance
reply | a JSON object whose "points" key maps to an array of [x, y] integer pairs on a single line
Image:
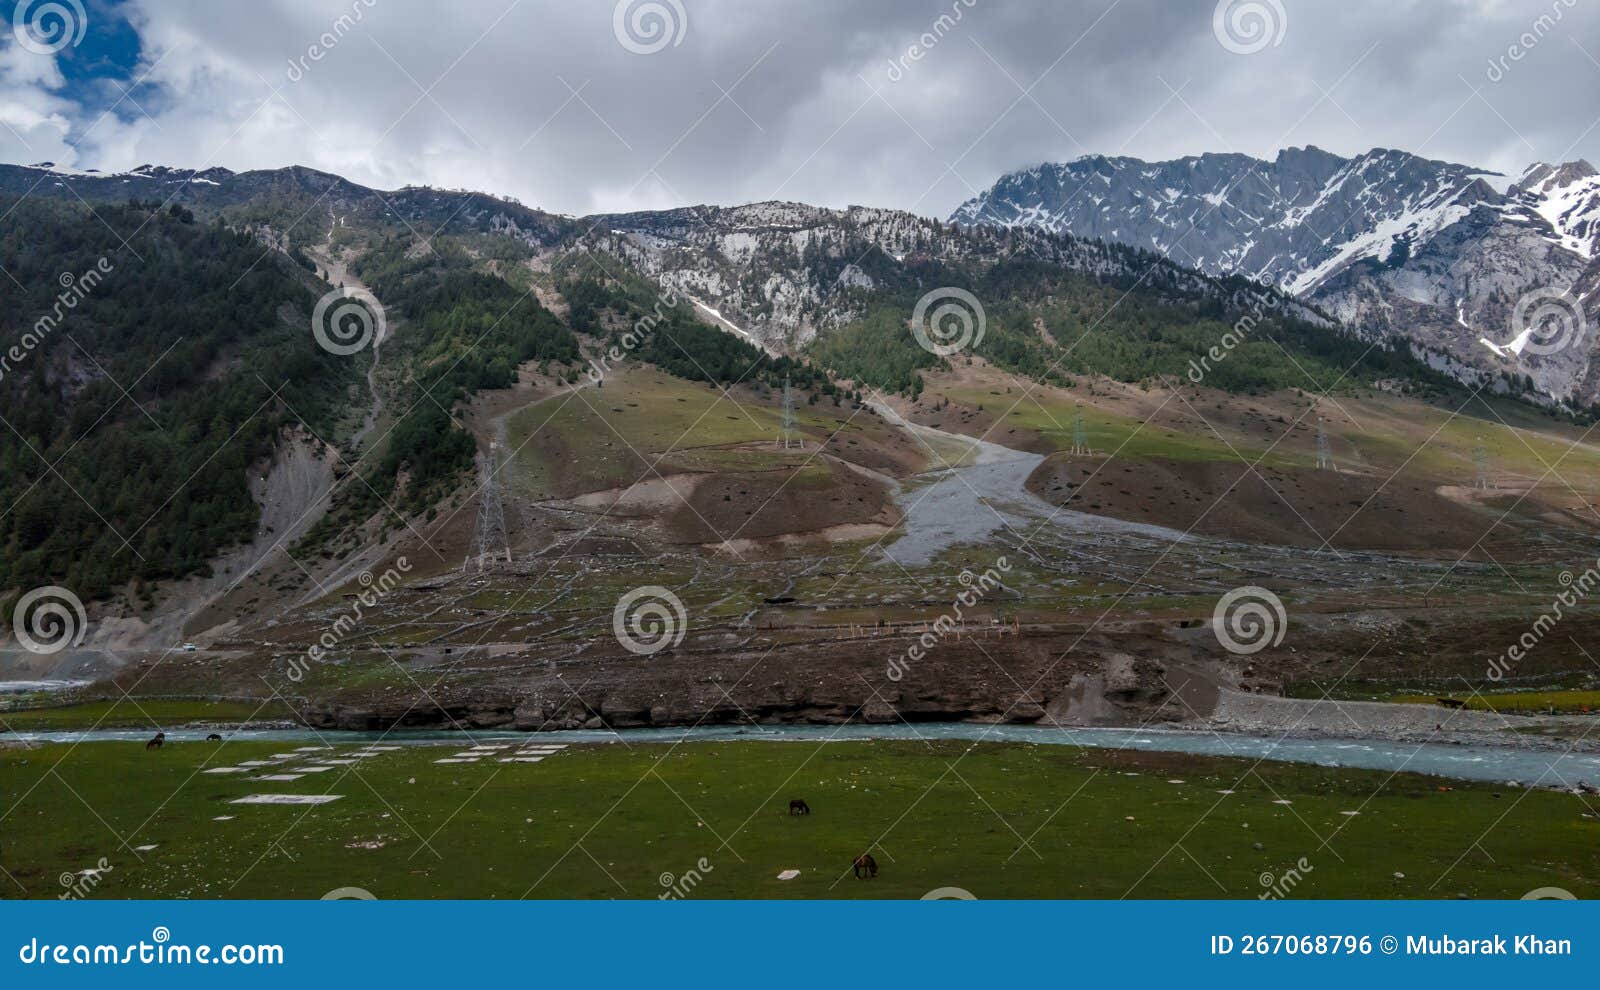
{"points": [[1480, 460], [492, 538], [1080, 435], [791, 434]]}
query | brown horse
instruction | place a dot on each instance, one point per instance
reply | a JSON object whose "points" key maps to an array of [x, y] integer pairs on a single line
{"points": [[799, 807], [156, 743], [866, 864]]}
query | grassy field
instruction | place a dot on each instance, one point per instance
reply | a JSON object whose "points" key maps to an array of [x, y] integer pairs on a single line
{"points": [[1518, 701], [146, 712], [603, 821]]}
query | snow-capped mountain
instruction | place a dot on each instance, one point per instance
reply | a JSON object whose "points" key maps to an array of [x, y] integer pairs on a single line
{"points": [[1388, 242]]}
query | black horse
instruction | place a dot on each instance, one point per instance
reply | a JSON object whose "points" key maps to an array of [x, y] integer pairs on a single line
{"points": [[865, 864], [213, 738], [799, 807], [157, 742]]}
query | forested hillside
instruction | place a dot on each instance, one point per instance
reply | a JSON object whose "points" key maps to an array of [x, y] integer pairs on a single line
{"points": [[144, 353]]}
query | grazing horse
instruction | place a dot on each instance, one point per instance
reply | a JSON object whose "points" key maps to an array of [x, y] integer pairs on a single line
{"points": [[213, 738], [799, 807], [156, 743], [1451, 702], [866, 864]]}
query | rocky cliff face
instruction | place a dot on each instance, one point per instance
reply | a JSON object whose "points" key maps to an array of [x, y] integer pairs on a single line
{"points": [[781, 273], [1388, 242]]}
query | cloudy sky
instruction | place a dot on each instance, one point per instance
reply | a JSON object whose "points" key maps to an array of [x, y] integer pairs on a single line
{"points": [[583, 106]]}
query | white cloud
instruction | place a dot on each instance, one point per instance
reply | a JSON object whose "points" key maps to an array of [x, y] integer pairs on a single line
{"points": [[799, 120]]}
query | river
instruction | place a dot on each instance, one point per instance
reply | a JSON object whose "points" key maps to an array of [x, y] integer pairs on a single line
{"points": [[1526, 766]]}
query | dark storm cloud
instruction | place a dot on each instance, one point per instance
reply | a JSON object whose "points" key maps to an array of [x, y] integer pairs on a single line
{"points": [[908, 104]]}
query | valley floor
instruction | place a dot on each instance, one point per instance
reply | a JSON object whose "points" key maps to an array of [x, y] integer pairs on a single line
{"points": [[710, 820]]}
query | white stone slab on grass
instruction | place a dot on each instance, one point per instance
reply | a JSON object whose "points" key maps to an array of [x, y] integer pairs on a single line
{"points": [[456, 759], [227, 770], [287, 799], [310, 769], [520, 759], [283, 778]]}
